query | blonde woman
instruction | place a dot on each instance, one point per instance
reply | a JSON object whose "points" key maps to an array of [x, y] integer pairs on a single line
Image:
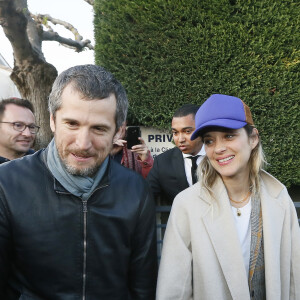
{"points": [[235, 233]]}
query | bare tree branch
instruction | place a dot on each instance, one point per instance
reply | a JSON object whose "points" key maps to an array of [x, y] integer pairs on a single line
{"points": [[51, 35], [69, 43], [18, 27]]}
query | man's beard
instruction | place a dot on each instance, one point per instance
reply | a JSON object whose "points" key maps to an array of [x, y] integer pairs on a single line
{"points": [[84, 172]]}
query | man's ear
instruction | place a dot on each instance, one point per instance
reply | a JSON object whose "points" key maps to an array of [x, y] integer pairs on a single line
{"points": [[119, 134], [254, 138], [52, 123]]}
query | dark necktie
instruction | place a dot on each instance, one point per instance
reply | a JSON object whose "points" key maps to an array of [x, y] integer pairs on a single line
{"points": [[194, 167]]}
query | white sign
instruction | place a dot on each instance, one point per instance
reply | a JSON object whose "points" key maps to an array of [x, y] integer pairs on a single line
{"points": [[7, 87], [157, 140]]}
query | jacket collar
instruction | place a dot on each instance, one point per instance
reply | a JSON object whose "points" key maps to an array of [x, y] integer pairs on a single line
{"points": [[3, 159]]}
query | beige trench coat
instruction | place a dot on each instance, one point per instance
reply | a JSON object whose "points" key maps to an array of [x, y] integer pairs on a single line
{"points": [[202, 257]]}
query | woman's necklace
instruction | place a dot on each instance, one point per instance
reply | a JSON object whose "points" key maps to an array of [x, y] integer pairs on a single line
{"points": [[238, 212]]}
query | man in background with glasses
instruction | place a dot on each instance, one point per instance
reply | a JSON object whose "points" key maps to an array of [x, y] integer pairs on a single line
{"points": [[17, 128]]}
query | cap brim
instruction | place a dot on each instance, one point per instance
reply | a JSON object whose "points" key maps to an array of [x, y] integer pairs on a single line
{"points": [[225, 123]]}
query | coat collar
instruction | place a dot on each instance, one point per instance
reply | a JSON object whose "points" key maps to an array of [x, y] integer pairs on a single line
{"points": [[270, 184]]}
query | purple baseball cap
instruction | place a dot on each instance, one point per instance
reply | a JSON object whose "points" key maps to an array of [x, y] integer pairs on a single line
{"points": [[222, 111]]}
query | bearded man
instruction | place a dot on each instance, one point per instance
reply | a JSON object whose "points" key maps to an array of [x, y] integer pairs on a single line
{"points": [[74, 224]]}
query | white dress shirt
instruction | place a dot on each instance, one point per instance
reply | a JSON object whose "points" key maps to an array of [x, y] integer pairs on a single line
{"points": [[188, 164]]}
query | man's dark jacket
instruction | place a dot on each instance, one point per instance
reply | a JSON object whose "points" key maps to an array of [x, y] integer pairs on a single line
{"points": [[167, 177], [54, 246], [3, 159]]}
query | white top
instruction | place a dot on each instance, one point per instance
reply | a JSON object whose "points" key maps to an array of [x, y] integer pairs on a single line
{"points": [[188, 164], [243, 226]]}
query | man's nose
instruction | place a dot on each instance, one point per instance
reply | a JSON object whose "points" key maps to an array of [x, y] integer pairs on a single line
{"points": [[83, 139], [181, 137], [26, 132]]}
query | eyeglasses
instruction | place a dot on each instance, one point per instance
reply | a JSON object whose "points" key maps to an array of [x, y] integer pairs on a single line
{"points": [[19, 126]]}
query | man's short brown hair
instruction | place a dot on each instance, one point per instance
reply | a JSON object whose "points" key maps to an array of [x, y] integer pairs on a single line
{"points": [[16, 101]]}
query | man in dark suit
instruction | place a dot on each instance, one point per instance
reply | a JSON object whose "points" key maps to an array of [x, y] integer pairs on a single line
{"points": [[173, 171]]}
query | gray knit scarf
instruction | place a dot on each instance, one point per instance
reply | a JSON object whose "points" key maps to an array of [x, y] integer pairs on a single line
{"points": [[80, 186], [256, 282]]}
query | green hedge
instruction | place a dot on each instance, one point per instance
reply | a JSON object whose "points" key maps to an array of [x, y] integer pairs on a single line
{"points": [[171, 52]]}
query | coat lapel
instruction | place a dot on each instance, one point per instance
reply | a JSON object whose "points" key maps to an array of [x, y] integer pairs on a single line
{"points": [[179, 170], [220, 226]]}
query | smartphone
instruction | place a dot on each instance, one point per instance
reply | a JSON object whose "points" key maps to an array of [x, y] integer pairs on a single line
{"points": [[132, 136]]}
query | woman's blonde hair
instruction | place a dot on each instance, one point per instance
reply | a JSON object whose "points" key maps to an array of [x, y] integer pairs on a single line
{"points": [[207, 174]]}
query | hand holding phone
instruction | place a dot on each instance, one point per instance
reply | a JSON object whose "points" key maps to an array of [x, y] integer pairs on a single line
{"points": [[132, 136]]}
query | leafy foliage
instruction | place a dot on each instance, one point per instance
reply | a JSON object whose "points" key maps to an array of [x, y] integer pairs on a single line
{"points": [[167, 53]]}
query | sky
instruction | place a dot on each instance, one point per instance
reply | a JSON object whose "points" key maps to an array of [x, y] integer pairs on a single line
{"points": [[78, 13]]}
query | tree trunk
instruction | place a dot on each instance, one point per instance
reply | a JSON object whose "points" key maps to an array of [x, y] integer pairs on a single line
{"points": [[32, 75], [34, 81]]}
